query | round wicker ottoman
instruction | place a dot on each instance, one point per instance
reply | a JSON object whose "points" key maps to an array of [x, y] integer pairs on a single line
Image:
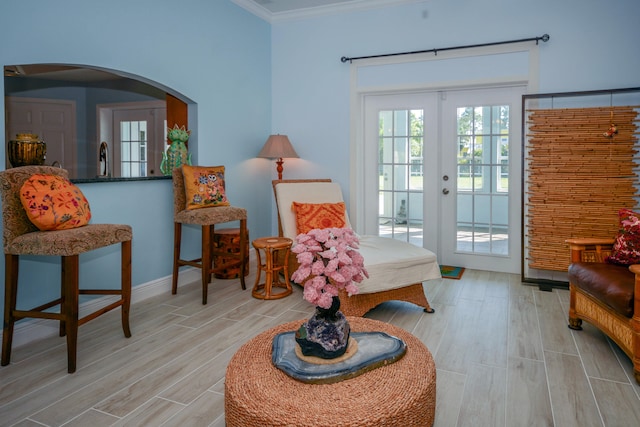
{"points": [[400, 394]]}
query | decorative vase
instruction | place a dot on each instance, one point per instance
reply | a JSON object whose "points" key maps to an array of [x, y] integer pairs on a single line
{"points": [[175, 156], [325, 334], [26, 149]]}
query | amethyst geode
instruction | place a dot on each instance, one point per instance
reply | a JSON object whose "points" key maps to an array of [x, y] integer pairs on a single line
{"points": [[325, 334]]}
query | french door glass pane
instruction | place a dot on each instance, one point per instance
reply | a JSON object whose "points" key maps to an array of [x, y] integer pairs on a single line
{"points": [[400, 180], [483, 179], [133, 155]]}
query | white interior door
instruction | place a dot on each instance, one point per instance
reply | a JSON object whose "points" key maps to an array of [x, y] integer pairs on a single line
{"points": [[54, 121], [442, 171]]}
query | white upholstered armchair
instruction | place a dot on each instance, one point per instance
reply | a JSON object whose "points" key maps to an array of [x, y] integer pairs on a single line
{"points": [[396, 269]]}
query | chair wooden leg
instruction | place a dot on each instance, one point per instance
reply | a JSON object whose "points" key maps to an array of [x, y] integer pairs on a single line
{"points": [[70, 268], [207, 231], [62, 326], [243, 251], [126, 286], [11, 264], [177, 236]]}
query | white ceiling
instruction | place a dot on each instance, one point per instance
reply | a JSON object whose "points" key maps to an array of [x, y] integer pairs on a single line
{"points": [[286, 9]]}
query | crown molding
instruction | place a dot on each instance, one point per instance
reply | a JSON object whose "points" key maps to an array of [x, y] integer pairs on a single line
{"points": [[254, 8], [349, 6]]}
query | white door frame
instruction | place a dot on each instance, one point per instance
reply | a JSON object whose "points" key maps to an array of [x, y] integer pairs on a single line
{"points": [[389, 75]]}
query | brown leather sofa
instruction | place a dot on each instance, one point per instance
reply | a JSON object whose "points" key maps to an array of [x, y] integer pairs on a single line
{"points": [[605, 295]]}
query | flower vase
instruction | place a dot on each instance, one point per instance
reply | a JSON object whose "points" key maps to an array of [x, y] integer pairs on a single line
{"points": [[175, 156], [325, 334]]}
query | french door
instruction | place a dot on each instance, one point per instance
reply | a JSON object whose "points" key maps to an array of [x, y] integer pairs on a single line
{"points": [[443, 172]]}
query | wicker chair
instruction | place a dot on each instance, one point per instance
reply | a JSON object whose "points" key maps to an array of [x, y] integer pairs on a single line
{"points": [[21, 237], [396, 269], [206, 218], [605, 295]]}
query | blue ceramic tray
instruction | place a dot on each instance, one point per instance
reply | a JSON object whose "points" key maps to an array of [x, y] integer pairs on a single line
{"points": [[375, 349]]}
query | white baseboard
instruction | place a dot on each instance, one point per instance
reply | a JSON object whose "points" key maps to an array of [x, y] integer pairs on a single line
{"points": [[29, 330]]}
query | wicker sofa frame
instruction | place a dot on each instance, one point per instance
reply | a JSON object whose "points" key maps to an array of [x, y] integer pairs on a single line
{"points": [[623, 330]]}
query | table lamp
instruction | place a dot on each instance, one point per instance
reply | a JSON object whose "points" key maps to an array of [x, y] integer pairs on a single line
{"points": [[278, 147]]}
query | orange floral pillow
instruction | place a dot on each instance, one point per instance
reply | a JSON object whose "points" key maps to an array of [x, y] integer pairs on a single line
{"points": [[53, 202], [204, 186], [319, 215]]}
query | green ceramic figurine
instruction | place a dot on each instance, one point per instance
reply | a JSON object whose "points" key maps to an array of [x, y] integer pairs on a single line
{"points": [[176, 155]]}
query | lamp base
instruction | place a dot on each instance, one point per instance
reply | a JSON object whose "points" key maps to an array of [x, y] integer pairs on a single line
{"points": [[279, 168]]}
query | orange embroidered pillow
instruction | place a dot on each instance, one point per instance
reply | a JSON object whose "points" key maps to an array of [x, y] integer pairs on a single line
{"points": [[204, 186], [54, 203], [319, 215]]}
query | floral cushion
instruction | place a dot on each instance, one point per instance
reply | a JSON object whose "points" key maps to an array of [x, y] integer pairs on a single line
{"points": [[204, 186], [52, 202], [319, 215], [626, 249]]}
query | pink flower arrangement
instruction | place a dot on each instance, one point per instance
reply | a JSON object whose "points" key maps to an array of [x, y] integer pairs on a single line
{"points": [[330, 258]]}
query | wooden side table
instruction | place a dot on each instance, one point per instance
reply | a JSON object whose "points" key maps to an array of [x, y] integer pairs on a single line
{"points": [[270, 246], [402, 393]]}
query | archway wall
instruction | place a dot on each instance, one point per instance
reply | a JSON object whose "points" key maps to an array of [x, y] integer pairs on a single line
{"points": [[213, 55]]}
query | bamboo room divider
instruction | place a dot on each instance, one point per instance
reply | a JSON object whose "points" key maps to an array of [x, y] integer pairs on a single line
{"points": [[578, 175]]}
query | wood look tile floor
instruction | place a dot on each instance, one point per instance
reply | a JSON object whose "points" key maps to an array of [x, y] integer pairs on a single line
{"points": [[503, 353]]}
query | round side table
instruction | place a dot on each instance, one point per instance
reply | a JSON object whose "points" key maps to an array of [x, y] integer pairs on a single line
{"points": [[270, 246], [399, 394]]}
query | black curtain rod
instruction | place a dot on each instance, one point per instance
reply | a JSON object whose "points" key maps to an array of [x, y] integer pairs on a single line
{"points": [[544, 38]]}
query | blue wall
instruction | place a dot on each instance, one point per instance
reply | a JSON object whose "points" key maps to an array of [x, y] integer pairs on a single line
{"points": [[594, 45], [213, 53], [250, 78]]}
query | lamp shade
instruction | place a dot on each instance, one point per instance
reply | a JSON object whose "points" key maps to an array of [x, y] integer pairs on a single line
{"points": [[277, 147]]}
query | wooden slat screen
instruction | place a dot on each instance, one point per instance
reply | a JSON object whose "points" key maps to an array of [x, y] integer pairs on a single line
{"points": [[577, 179]]}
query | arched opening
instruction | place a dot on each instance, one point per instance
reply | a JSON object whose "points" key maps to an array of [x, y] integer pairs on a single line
{"points": [[63, 103]]}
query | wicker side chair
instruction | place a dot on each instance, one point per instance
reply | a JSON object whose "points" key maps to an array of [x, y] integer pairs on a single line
{"points": [[206, 218], [21, 237], [605, 295], [396, 269]]}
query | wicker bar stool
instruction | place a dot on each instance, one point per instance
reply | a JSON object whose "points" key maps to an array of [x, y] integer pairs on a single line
{"points": [[22, 238], [207, 218], [276, 260]]}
